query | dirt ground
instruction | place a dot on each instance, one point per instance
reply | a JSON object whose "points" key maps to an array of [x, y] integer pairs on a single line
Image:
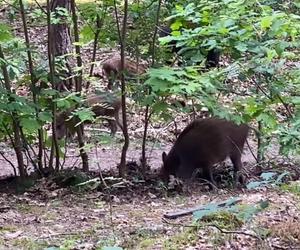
{"points": [[59, 218]]}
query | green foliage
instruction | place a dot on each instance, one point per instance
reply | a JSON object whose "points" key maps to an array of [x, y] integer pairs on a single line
{"points": [[260, 41], [60, 16], [38, 16], [242, 213], [289, 135], [141, 16], [292, 187], [174, 83], [92, 12], [17, 107], [223, 219], [267, 179], [5, 33]]}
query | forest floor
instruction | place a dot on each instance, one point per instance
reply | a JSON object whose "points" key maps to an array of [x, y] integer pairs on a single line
{"points": [[131, 215]]}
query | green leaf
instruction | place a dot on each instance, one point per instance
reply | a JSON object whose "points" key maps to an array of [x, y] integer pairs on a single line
{"points": [[266, 22], [29, 124], [176, 25], [85, 114], [296, 100], [160, 106], [158, 84], [213, 207], [256, 184], [45, 116], [5, 33], [86, 34], [242, 47], [206, 210], [268, 176]]}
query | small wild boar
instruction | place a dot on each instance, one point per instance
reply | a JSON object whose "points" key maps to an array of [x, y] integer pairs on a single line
{"points": [[112, 68], [202, 144], [107, 106]]}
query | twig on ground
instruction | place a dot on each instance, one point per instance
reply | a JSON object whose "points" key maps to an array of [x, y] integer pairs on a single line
{"points": [[233, 232]]}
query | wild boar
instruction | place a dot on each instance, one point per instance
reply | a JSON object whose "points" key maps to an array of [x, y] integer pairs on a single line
{"points": [[106, 106], [111, 69], [202, 144]]}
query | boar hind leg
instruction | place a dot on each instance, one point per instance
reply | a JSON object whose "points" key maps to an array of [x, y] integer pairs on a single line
{"points": [[237, 165], [113, 127]]}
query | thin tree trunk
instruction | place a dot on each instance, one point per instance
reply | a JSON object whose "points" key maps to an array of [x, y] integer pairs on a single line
{"points": [[78, 82], [54, 147], [97, 33], [33, 86], [122, 38], [16, 128], [147, 113]]}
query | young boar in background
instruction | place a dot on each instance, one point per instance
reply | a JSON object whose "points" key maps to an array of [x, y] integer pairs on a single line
{"points": [[106, 106], [112, 69], [202, 144]]}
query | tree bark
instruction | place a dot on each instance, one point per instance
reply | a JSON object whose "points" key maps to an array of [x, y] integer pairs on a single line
{"points": [[33, 86], [78, 82], [122, 39], [61, 42], [51, 62]]}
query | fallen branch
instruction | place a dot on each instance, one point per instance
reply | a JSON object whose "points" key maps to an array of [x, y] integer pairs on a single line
{"points": [[184, 212]]}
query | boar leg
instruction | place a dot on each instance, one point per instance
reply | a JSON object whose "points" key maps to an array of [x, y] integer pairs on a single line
{"points": [[207, 174], [113, 126], [237, 165]]}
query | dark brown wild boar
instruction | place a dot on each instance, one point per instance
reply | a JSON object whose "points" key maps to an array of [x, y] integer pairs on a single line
{"points": [[112, 69], [202, 144], [106, 106]]}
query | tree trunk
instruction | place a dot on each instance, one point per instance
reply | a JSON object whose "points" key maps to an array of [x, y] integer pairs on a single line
{"points": [[33, 86], [61, 42], [51, 58], [122, 39], [78, 82]]}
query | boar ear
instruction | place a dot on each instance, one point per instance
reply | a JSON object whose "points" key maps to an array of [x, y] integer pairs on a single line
{"points": [[164, 157]]}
